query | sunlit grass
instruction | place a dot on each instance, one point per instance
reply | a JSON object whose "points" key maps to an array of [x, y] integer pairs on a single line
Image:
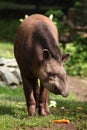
{"points": [[6, 50]]}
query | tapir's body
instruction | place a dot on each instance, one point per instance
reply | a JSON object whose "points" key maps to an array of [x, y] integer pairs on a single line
{"points": [[38, 56]]}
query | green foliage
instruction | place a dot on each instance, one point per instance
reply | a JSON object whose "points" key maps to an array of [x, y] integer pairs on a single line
{"points": [[78, 4], [58, 19], [56, 13], [8, 29], [77, 65], [81, 11]]}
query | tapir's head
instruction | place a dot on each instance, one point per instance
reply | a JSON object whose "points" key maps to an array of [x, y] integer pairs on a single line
{"points": [[52, 74]]}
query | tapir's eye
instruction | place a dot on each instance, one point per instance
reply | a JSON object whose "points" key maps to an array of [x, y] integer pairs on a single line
{"points": [[51, 74]]}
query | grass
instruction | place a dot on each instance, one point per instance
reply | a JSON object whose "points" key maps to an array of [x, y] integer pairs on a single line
{"points": [[6, 50], [13, 113]]}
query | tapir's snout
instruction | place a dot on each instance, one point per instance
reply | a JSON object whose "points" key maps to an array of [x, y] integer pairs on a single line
{"points": [[59, 90], [66, 89], [64, 93]]}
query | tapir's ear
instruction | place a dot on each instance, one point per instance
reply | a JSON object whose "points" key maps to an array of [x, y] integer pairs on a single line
{"points": [[46, 54], [65, 57]]}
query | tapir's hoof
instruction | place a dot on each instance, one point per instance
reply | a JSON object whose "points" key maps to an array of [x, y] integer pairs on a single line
{"points": [[48, 110], [32, 110], [43, 112]]}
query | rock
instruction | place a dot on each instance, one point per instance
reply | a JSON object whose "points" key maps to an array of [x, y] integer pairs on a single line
{"points": [[16, 72], [9, 73], [2, 61], [11, 69], [8, 62], [8, 77]]}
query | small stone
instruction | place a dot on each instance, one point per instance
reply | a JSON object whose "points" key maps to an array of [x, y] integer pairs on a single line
{"points": [[52, 104], [62, 108]]}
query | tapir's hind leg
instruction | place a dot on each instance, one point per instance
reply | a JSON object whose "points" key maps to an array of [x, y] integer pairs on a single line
{"points": [[29, 95], [43, 102]]}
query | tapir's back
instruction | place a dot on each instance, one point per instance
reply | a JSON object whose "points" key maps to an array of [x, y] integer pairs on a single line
{"points": [[30, 24], [35, 29], [35, 20]]}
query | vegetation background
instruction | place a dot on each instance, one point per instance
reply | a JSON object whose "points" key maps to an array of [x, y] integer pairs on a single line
{"points": [[70, 16]]}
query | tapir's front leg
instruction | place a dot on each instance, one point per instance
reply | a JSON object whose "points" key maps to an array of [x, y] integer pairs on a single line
{"points": [[43, 102], [36, 90], [29, 95]]}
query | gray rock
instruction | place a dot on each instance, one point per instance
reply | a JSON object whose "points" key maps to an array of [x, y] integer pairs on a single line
{"points": [[16, 72], [2, 61], [8, 62], [8, 77], [11, 69], [9, 72]]}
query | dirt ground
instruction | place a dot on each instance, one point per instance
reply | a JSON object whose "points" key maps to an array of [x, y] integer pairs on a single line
{"points": [[56, 127], [78, 86]]}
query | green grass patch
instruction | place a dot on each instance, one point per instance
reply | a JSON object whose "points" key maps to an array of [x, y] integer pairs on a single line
{"points": [[6, 50], [13, 113]]}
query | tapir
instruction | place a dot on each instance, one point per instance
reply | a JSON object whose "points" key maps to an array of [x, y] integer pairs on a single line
{"points": [[38, 55]]}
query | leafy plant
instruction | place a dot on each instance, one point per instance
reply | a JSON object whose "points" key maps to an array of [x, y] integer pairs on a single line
{"points": [[58, 19], [77, 65], [8, 29]]}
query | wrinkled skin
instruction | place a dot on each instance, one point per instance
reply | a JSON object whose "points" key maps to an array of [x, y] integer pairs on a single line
{"points": [[38, 55]]}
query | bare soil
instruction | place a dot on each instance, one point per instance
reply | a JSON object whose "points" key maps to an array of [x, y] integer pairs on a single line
{"points": [[78, 86], [56, 127]]}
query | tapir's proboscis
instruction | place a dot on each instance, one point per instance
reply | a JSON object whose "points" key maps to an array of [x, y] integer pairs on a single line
{"points": [[38, 56]]}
